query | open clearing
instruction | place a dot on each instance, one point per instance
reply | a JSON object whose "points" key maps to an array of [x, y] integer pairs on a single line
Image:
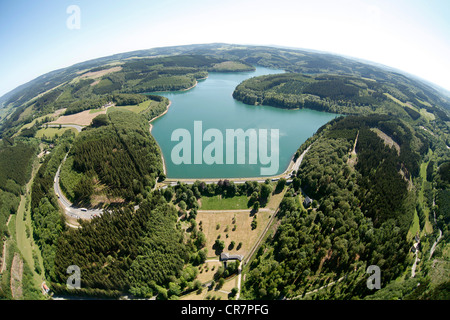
{"points": [[387, 140], [230, 66], [220, 223], [99, 74], [55, 115], [83, 118], [220, 294], [427, 115], [138, 108], [220, 203], [428, 227], [207, 270], [16, 276], [23, 232], [52, 132]]}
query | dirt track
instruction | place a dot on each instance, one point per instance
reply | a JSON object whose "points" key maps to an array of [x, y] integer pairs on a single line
{"points": [[16, 276]]}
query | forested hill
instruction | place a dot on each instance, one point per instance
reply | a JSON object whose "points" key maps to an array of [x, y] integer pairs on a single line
{"points": [[94, 87], [16, 158], [339, 94], [116, 157], [174, 68], [361, 214]]}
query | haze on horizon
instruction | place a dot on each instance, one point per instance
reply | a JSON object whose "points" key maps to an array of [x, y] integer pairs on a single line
{"points": [[409, 35]]}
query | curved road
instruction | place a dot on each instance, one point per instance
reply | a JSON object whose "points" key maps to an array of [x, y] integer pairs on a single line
{"points": [[435, 243], [69, 208], [287, 174], [440, 231], [75, 126], [86, 214]]}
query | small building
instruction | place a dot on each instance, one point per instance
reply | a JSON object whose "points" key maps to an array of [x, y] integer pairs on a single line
{"points": [[45, 288], [225, 256], [307, 202]]}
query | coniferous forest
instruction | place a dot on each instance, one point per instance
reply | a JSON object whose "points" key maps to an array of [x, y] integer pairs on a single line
{"points": [[117, 153]]}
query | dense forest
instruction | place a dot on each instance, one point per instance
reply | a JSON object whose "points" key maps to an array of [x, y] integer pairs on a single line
{"points": [[356, 220], [116, 154], [141, 252], [145, 252], [48, 223], [16, 158], [332, 93]]}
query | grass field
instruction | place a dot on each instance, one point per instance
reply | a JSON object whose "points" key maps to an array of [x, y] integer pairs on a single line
{"points": [[52, 132], [229, 225], [213, 294], [219, 203], [207, 270], [218, 224], [99, 74], [83, 118], [404, 104], [95, 110], [428, 228], [275, 200], [427, 115], [415, 227], [56, 114]]}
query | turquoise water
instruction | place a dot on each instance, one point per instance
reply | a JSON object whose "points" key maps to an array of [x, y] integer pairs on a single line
{"points": [[211, 102]]}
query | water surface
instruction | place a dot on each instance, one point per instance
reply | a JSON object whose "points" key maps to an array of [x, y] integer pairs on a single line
{"points": [[212, 103]]}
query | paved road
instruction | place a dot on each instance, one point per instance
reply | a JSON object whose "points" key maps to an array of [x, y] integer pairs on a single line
{"points": [[440, 232], [237, 210], [286, 175], [75, 126], [238, 294], [414, 266], [435, 243], [69, 208]]}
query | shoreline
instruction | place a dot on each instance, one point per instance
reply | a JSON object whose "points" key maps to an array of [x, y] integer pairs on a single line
{"points": [[167, 110], [182, 90], [285, 174], [150, 130], [191, 87], [291, 167], [195, 84]]}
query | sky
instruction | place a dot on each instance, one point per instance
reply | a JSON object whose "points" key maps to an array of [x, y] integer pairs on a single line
{"points": [[39, 36]]}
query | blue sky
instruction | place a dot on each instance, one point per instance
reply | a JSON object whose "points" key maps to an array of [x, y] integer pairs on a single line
{"points": [[411, 35]]}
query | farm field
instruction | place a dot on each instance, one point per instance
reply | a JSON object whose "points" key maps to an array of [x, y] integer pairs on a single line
{"points": [[83, 118]]}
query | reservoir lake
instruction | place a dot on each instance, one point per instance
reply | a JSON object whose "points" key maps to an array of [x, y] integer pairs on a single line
{"points": [[211, 102]]}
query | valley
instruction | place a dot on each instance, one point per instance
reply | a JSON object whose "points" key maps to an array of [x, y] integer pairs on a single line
{"points": [[88, 174]]}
